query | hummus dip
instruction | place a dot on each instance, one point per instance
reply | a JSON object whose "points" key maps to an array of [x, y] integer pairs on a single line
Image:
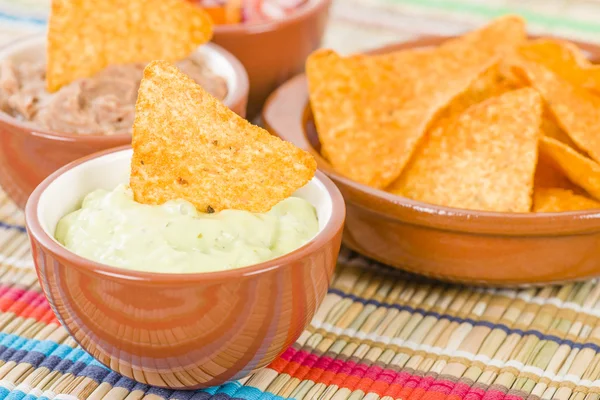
{"points": [[104, 103], [111, 228]]}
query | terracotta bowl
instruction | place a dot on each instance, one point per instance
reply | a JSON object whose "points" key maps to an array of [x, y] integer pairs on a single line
{"points": [[29, 154], [178, 330], [445, 243], [274, 51]]}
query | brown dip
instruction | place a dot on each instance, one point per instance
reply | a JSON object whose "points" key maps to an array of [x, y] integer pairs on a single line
{"points": [[104, 103]]}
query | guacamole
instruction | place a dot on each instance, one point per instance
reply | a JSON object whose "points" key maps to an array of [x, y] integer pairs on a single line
{"points": [[113, 229]]}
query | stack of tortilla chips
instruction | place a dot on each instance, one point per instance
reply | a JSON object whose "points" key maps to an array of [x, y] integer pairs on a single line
{"points": [[486, 121]]}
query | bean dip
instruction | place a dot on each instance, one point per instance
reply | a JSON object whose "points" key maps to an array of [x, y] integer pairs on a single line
{"points": [[102, 104]]}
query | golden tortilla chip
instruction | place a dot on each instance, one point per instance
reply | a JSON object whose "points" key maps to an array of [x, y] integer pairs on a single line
{"points": [[367, 125], [371, 112], [432, 65], [551, 129], [576, 110], [500, 36], [85, 36], [491, 84], [565, 60], [548, 175], [187, 145], [580, 170], [484, 159], [557, 200]]}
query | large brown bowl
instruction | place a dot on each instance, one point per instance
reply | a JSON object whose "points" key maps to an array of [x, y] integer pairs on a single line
{"points": [[446, 243], [29, 154], [272, 52], [178, 330]]}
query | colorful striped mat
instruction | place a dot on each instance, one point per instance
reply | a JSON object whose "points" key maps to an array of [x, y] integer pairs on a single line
{"points": [[379, 334]]}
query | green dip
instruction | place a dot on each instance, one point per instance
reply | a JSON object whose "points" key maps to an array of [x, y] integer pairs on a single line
{"points": [[174, 237]]}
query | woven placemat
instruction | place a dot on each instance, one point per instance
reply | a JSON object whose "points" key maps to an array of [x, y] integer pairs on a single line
{"points": [[379, 334]]}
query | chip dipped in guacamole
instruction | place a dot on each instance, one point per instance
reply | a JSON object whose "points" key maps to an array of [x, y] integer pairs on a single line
{"points": [[208, 190]]}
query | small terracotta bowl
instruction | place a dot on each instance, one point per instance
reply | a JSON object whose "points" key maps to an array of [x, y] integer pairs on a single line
{"points": [[29, 154], [178, 330], [274, 51], [451, 244]]}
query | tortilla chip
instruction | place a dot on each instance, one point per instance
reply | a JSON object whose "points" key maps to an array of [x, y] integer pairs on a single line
{"points": [[557, 200], [551, 128], [84, 36], [368, 119], [494, 40], [484, 159], [576, 110], [491, 84], [548, 175], [500, 36], [187, 145], [565, 60], [580, 169], [371, 111]]}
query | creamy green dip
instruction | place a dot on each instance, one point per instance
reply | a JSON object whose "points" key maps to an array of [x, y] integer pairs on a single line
{"points": [[111, 228]]}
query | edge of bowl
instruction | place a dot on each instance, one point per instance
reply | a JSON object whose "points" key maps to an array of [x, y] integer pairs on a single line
{"points": [[35, 230]]}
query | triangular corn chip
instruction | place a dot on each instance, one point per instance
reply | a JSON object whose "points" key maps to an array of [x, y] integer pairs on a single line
{"points": [[484, 159], [565, 60], [548, 175], [576, 110], [491, 84], [557, 200], [187, 145], [371, 112], [86, 36], [580, 170]]}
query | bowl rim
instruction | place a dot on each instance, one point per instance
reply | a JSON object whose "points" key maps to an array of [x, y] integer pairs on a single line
{"points": [[233, 97], [302, 13], [289, 104], [44, 240]]}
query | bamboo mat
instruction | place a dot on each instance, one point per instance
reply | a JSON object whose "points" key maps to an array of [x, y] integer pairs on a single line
{"points": [[379, 334]]}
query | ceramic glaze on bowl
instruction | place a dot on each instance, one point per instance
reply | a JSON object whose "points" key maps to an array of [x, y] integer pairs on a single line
{"points": [[29, 154], [179, 330], [447, 243]]}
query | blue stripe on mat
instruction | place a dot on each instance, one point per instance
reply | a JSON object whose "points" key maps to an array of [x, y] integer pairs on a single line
{"points": [[74, 360], [491, 325], [19, 228], [27, 20]]}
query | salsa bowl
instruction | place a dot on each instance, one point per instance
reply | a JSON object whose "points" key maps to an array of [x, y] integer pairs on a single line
{"points": [[29, 154], [178, 330], [472, 247]]}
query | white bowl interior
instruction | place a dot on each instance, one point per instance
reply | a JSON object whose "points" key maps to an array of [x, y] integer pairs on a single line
{"points": [[67, 191], [33, 48]]}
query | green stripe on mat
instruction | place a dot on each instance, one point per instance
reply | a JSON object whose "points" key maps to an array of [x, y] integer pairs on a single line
{"points": [[490, 11]]}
